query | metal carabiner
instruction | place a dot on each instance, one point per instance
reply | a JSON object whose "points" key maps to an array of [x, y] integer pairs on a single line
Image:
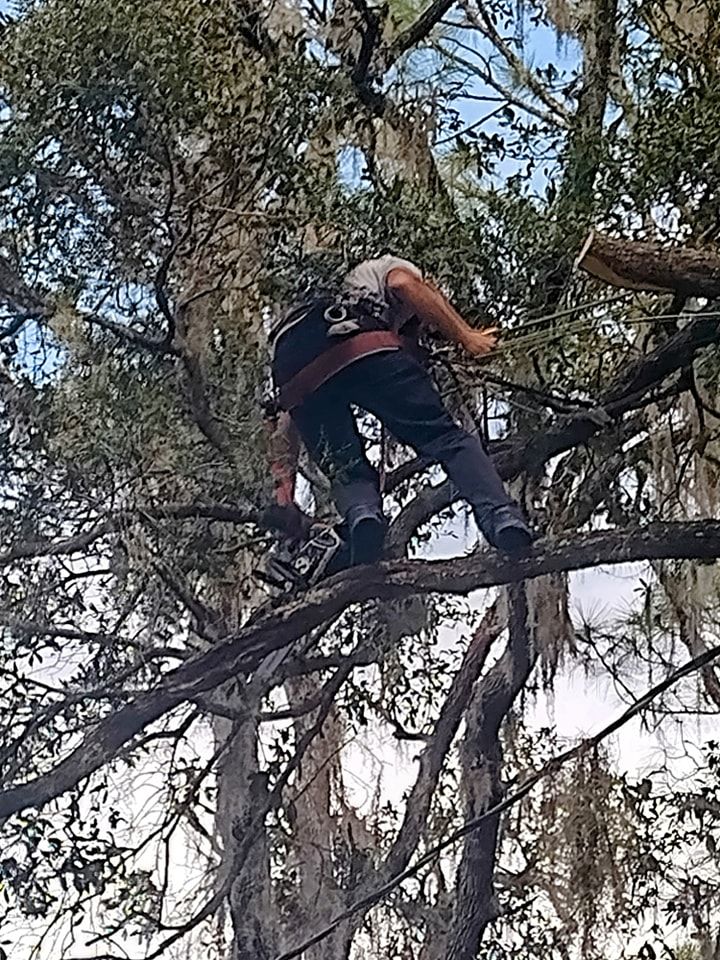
{"points": [[335, 313]]}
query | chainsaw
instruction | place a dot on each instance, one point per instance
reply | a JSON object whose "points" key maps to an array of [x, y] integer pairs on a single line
{"points": [[298, 564]]}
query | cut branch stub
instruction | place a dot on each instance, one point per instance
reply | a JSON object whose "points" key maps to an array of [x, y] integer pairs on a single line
{"points": [[646, 266]]}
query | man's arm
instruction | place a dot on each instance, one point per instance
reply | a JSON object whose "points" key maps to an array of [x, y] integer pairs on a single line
{"points": [[425, 301]]}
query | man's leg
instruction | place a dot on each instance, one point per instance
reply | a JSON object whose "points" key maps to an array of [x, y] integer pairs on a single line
{"points": [[329, 431], [395, 388]]}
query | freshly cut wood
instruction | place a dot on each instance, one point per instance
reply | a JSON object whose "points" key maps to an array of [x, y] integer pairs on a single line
{"points": [[636, 265]]}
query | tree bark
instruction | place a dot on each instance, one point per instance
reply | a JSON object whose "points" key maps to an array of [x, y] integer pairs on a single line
{"points": [[241, 792], [481, 755], [650, 267], [318, 832]]}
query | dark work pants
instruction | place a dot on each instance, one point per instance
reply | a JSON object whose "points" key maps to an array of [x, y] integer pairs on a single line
{"points": [[400, 393]]}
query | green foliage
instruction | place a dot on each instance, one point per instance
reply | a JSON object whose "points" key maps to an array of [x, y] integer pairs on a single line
{"points": [[171, 174]]}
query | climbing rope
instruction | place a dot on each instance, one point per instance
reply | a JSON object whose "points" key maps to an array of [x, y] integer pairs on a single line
{"points": [[525, 341], [580, 326]]}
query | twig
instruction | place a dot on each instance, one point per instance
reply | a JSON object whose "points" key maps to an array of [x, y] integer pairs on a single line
{"points": [[484, 23], [420, 29]]}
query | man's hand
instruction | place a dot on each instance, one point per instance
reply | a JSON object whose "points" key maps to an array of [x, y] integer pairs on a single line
{"points": [[480, 342]]}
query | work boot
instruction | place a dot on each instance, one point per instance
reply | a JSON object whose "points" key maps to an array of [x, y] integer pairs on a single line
{"points": [[505, 529], [366, 528], [362, 534]]}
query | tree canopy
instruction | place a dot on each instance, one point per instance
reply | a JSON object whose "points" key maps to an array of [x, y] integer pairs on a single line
{"points": [[190, 766]]}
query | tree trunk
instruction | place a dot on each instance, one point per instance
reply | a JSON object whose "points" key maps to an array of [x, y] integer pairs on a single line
{"points": [[241, 793], [320, 822], [481, 753]]}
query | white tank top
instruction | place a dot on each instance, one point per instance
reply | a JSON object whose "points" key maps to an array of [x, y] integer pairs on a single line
{"points": [[368, 281]]}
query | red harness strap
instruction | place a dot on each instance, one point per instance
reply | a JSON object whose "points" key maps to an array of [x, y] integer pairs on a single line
{"points": [[335, 359]]}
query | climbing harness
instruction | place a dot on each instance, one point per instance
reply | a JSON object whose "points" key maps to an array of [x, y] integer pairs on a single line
{"points": [[316, 340], [332, 361]]}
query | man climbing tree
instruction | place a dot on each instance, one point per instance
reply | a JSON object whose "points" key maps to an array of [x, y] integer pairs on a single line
{"points": [[358, 347]]}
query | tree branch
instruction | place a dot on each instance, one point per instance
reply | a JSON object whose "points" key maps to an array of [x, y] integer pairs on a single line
{"points": [[635, 265], [160, 347], [241, 653], [29, 304], [474, 903], [485, 74], [246, 513], [433, 755], [525, 75], [18, 295], [419, 30]]}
